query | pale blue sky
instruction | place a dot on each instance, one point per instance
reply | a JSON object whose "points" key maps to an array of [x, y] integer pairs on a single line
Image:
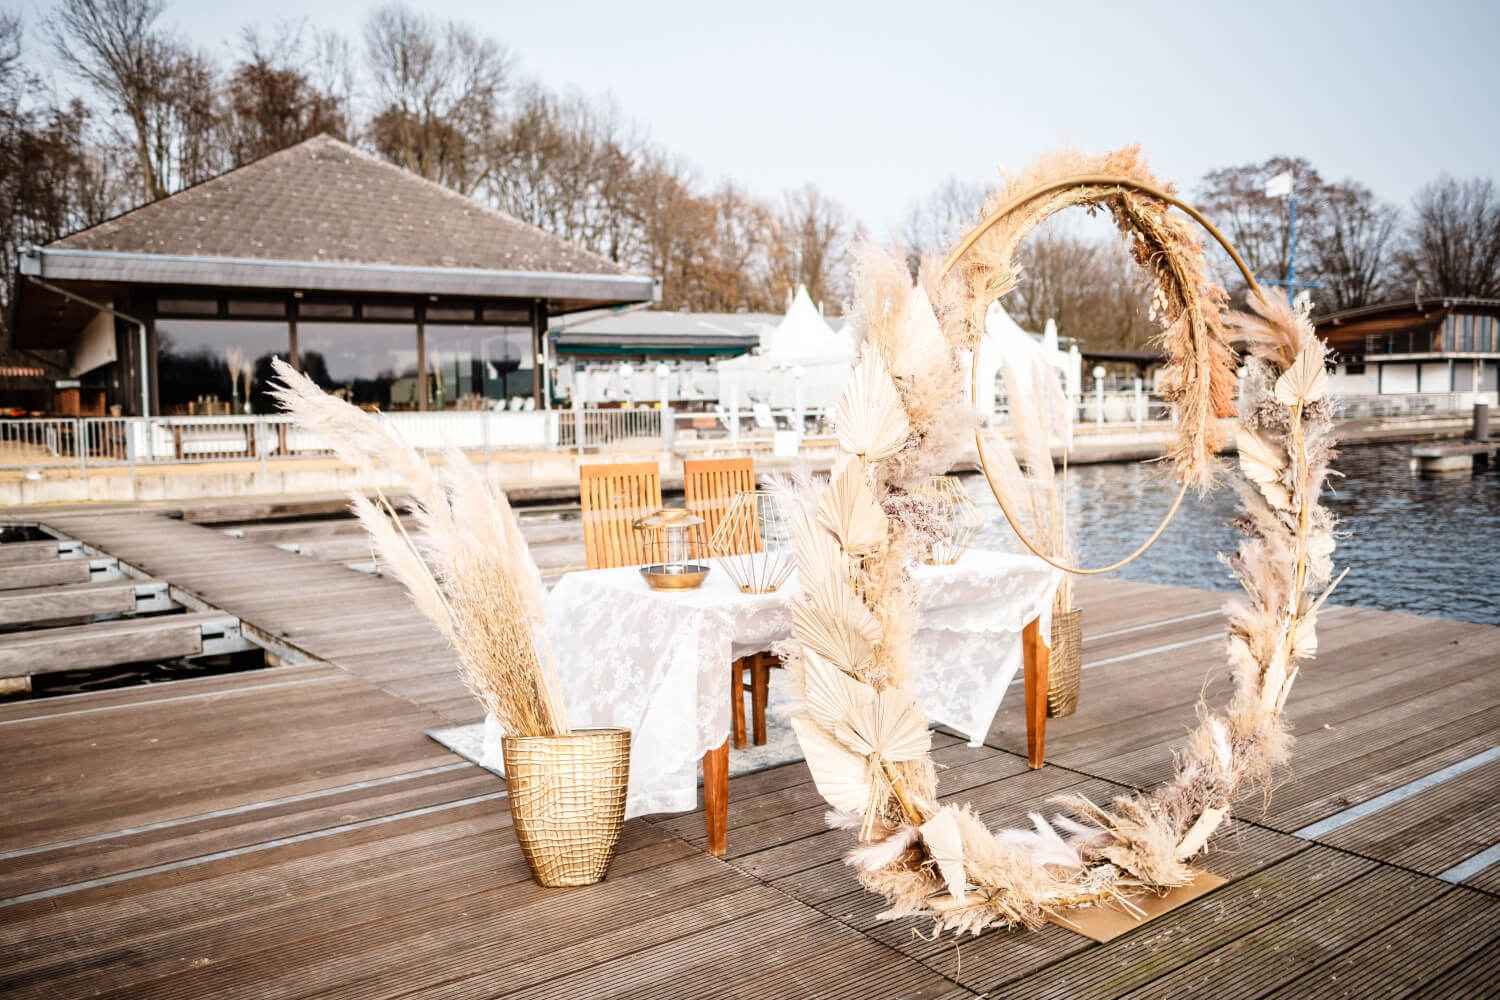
{"points": [[878, 102]]}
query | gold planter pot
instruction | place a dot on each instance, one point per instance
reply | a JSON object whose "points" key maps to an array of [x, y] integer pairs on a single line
{"points": [[1066, 672], [567, 799]]}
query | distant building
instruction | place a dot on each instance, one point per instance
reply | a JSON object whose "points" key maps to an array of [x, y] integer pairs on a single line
{"points": [[1417, 347], [387, 289]]}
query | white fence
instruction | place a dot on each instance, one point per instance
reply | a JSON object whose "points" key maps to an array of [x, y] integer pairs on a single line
{"points": [[90, 442]]}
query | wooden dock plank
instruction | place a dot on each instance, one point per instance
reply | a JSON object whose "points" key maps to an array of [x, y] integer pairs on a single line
{"points": [[1454, 928], [40, 604], [45, 550], [291, 832], [103, 644], [18, 576]]}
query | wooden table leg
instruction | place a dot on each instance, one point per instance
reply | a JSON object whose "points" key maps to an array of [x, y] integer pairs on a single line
{"points": [[760, 687], [737, 702], [716, 799], [1038, 662]]}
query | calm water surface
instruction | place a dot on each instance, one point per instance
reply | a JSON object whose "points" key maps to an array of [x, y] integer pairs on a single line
{"points": [[1425, 546]]}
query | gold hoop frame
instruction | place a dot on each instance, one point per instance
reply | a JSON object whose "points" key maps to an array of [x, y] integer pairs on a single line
{"points": [[1104, 181]]}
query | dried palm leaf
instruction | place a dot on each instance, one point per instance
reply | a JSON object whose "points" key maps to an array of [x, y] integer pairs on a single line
{"points": [[1306, 381], [842, 777], [890, 727], [870, 419], [945, 845], [1264, 464], [848, 509], [835, 625], [830, 695], [821, 564]]}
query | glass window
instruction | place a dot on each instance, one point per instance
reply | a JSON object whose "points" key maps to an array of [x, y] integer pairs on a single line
{"points": [[314, 309], [188, 306], [215, 366], [473, 367], [257, 307], [450, 312], [1448, 325], [508, 315], [1466, 334], [389, 310], [370, 365]]}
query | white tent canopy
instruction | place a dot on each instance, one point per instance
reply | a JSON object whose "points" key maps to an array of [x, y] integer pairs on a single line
{"points": [[802, 363], [1004, 338]]}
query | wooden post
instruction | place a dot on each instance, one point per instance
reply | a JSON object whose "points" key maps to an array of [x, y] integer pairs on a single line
{"points": [[716, 799], [1038, 661]]}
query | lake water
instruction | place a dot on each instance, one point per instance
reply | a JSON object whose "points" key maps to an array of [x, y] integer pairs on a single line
{"points": [[1425, 546]]}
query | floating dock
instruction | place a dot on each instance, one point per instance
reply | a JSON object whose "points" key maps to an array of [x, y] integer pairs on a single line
{"points": [[290, 831]]}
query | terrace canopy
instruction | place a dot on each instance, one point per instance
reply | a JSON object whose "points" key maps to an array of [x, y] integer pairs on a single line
{"points": [[388, 289]]}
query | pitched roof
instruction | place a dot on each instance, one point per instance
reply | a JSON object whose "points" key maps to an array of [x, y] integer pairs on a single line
{"points": [[324, 201]]}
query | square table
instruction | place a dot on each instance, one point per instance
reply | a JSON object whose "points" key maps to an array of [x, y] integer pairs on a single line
{"points": [[658, 662]]}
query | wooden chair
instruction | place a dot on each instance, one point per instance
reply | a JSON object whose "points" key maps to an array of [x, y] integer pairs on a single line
{"points": [[613, 498], [710, 485]]}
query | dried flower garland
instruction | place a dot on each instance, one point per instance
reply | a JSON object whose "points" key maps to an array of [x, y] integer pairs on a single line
{"points": [[864, 737]]}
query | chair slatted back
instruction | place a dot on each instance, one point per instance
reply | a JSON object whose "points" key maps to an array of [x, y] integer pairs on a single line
{"points": [[710, 485], [614, 497]]}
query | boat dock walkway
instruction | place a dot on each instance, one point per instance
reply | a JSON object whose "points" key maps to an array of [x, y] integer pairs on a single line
{"points": [[291, 832]]}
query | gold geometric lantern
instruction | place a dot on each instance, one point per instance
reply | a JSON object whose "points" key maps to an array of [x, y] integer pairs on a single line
{"points": [[754, 542], [673, 540], [960, 516]]}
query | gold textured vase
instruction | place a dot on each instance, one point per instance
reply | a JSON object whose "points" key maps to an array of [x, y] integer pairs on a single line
{"points": [[1065, 676], [567, 800]]}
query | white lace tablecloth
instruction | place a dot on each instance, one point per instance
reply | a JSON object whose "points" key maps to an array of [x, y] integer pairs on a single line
{"points": [[658, 663]]}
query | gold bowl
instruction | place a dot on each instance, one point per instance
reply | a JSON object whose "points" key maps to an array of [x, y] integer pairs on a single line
{"points": [[687, 576]]}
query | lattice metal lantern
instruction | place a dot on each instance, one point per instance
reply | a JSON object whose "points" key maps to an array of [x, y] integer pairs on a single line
{"points": [[754, 542], [675, 550], [960, 516]]}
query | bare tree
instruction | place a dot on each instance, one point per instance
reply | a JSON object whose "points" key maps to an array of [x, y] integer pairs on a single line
{"points": [[810, 238], [1351, 247], [163, 90], [52, 178], [1091, 288], [272, 100], [439, 86], [934, 224], [1259, 226], [1452, 245]]}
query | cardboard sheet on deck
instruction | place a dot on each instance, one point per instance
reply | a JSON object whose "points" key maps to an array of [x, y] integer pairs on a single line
{"points": [[1109, 920]]}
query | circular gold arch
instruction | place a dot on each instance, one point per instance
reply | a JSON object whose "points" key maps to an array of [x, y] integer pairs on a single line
{"points": [[1081, 181]]}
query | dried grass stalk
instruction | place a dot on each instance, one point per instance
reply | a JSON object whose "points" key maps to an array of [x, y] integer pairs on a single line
{"points": [[471, 574]]}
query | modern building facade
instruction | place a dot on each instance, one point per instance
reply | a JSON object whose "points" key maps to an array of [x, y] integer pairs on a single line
{"points": [[387, 289], [1426, 347]]}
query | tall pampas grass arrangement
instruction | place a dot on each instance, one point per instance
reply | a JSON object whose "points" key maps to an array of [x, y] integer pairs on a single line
{"points": [[862, 733], [466, 567]]}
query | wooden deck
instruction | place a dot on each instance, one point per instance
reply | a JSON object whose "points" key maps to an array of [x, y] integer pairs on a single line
{"points": [[291, 832]]}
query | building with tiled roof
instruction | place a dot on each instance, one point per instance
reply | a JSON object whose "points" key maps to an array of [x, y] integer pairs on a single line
{"points": [[350, 266]]}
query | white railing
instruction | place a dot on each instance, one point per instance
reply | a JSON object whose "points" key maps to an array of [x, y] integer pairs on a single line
{"points": [[1457, 404], [35, 443], [114, 441]]}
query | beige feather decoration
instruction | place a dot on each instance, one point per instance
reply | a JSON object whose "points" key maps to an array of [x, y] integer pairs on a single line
{"points": [[946, 846], [842, 777], [870, 418], [1306, 381], [1263, 465], [848, 509]]}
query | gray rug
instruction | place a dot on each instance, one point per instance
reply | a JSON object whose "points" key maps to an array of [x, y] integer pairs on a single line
{"points": [[781, 742]]}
